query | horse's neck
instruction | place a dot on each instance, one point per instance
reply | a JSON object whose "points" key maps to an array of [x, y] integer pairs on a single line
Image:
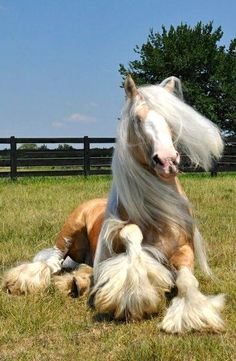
{"points": [[174, 183]]}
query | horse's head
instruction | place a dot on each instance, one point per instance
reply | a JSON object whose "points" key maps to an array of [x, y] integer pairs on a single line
{"points": [[150, 137]]}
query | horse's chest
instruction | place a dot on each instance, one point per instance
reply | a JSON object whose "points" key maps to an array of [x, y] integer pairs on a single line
{"points": [[166, 241]]}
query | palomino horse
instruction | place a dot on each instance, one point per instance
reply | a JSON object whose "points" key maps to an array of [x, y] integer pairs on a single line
{"points": [[145, 236]]}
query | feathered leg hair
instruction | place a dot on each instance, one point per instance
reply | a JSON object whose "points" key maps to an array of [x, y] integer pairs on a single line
{"points": [[191, 310], [33, 277], [76, 283], [130, 285]]}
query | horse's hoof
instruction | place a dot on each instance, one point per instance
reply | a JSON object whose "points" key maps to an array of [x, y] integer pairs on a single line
{"points": [[75, 291]]}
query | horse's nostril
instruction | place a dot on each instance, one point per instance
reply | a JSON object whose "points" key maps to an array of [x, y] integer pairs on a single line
{"points": [[157, 160]]}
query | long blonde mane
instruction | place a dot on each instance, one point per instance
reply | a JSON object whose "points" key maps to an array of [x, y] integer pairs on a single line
{"points": [[147, 200]]}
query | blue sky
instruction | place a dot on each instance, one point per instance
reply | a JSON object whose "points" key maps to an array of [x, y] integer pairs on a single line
{"points": [[59, 59]]}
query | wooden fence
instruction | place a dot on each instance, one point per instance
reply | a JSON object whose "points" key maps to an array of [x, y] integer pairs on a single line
{"points": [[83, 158]]}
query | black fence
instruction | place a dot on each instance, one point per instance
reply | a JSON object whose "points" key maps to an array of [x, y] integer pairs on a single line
{"points": [[77, 156]]}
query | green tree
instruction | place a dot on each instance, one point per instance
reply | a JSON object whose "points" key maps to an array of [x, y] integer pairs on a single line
{"points": [[207, 69], [43, 147], [28, 146], [64, 147]]}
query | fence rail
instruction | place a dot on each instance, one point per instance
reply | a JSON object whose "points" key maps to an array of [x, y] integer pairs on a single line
{"points": [[16, 160]]}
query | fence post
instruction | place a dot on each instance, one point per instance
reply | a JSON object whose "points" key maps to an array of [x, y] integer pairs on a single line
{"points": [[86, 156], [13, 158], [214, 169]]}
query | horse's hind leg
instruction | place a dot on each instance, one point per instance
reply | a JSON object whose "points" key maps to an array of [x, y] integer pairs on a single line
{"points": [[33, 277], [36, 276], [191, 310], [72, 245]]}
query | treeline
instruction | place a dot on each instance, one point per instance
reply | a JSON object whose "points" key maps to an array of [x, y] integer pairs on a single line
{"points": [[33, 146], [28, 147]]}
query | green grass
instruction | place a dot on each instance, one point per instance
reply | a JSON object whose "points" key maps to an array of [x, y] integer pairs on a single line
{"points": [[53, 327]]}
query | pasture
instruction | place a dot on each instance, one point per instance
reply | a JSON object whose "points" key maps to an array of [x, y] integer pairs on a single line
{"points": [[52, 327]]}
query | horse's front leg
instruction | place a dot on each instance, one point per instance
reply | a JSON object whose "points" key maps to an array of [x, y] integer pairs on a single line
{"points": [[191, 310], [130, 284]]}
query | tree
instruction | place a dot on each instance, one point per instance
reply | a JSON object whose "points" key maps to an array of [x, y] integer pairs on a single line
{"points": [[43, 147], [65, 147], [28, 146], [207, 69]]}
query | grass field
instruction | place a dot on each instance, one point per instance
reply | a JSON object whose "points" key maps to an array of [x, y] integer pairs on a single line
{"points": [[53, 327]]}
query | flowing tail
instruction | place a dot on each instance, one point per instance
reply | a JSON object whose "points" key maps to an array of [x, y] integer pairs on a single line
{"points": [[131, 284]]}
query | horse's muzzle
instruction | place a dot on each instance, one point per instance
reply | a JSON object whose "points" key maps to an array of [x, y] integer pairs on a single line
{"points": [[166, 168]]}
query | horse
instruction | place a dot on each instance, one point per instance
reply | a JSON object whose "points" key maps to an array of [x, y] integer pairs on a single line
{"points": [[143, 240]]}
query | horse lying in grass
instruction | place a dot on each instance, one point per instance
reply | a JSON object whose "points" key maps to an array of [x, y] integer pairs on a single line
{"points": [[143, 240]]}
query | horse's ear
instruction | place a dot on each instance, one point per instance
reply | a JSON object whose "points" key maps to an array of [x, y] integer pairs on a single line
{"points": [[130, 87], [173, 85]]}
